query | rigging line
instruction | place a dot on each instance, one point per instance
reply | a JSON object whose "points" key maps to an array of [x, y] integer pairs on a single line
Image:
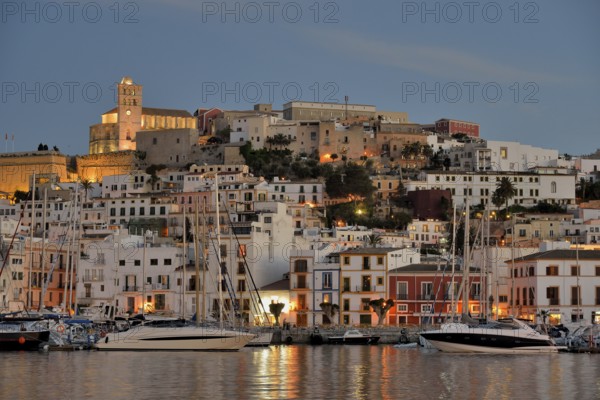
{"points": [[62, 242], [247, 269], [212, 241], [12, 240]]}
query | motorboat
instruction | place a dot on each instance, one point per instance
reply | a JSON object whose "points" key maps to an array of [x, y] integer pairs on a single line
{"points": [[504, 336], [22, 335], [353, 336], [174, 338]]}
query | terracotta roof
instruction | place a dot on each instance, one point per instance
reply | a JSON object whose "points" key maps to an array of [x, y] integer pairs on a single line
{"points": [[562, 254], [427, 268], [283, 284], [370, 250]]}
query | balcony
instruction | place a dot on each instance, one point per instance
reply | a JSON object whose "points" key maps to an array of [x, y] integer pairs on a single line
{"points": [[160, 286], [93, 278], [401, 296], [132, 289], [426, 297], [301, 286], [574, 301]]}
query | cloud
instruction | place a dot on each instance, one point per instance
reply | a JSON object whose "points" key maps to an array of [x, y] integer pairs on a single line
{"points": [[439, 62]]}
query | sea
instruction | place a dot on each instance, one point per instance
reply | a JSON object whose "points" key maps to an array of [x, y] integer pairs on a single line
{"points": [[298, 372]]}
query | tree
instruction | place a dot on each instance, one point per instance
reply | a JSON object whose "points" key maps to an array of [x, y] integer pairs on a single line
{"points": [[505, 190], [373, 240], [275, 309], [334, 157], [86, 185], [40, 147], [381, 307], [279, 140], [20, 196], [329, 310]]}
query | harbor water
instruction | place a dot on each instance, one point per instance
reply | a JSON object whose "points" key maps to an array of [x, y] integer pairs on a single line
{"points": [[298, 371]]}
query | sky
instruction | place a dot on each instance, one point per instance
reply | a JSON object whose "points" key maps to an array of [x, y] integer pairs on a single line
{"points": [[525, 71]]}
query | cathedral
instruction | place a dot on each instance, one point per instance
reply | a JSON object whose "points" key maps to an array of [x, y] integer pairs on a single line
{"points": [[119, 126]]}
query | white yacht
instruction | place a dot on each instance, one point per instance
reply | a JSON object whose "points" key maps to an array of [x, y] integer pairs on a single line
{"points": [[190, 338]]}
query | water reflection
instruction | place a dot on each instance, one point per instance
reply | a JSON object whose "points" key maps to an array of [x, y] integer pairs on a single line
{"points": [[290, 372]]}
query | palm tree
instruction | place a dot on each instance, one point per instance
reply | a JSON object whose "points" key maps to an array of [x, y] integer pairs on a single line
{"points": [[275, 309], [373, 240], [279, 140], [505, 190], [381, 307], [86, 185]]}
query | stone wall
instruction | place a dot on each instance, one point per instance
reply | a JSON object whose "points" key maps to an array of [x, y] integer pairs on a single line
{"points": [[95, 166], [16, 169]]}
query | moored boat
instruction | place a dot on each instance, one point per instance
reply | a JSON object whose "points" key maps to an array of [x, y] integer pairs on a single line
{"points": [[22, 336], [503, 337], [353, 336], [189, 338]]}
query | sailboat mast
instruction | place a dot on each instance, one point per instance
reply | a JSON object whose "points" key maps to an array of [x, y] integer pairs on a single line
{"points": [[71, 249], [204, 258], [452, 305], [31, 229], [41, 307], [466, 262], [183, 270], [196, 261], [220, 270]]}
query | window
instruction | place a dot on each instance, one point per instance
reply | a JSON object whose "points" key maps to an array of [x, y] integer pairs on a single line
{"points": [[121, 263], [346, 306], [366, 264], [552, 187], [401, 290], [575, 270], [300, 266], [552, 270], [426, 290], [402, 308], [380, 280], [575, 295], [346, 284], [552, 295], [241, 285], [379, 260], [326, 297], [167, 261], [154, 261], [425, 308], [241, 268], [365, 304], [366, 283], [504, 152], [597, 270], [327, 280], [137, 263], [346, 260]]}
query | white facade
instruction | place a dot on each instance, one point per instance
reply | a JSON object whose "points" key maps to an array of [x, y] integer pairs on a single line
{"points": [[479, 187], [296, 192], [549, 281]]}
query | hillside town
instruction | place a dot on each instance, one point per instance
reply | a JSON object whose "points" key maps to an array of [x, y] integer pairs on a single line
{"points": [[315, 214]]}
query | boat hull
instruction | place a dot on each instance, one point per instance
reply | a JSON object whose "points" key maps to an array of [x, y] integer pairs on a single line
{"points": [[474, 342], [362, 340], [23, 340], [261, 340], [146, 338]]}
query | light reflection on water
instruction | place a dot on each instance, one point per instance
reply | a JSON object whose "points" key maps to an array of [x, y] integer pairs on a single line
{"points": [[289, 372]]}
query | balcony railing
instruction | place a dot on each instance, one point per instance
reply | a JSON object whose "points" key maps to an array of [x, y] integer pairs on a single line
{"points": [[132, 288], [574, 301], [426, 297], [160, 286], [93, 278], [401, 296], [301, 286]]}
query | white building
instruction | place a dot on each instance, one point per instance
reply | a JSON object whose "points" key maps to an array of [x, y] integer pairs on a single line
{"points": [[479, 186], [566, 283]]}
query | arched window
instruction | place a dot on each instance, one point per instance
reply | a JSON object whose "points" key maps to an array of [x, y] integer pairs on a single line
{"points": [[553, 187]]}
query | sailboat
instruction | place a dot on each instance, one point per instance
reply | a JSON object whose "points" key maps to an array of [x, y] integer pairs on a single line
{"points": [[171, 337], [16, 332], [505, 336]]}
